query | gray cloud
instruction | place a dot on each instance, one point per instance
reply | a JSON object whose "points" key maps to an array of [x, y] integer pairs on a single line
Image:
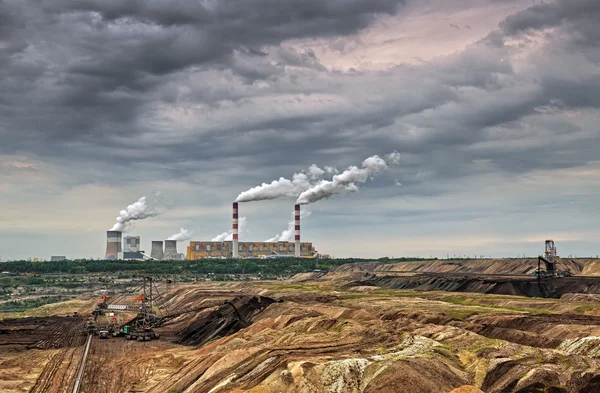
{"points": [[216, 93]]}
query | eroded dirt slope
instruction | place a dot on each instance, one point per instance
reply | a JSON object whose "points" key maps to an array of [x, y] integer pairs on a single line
{"points": [[327, 337], [589, 267]]}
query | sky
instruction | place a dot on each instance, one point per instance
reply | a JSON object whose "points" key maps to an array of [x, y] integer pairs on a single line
{"points": [[494, 106]]}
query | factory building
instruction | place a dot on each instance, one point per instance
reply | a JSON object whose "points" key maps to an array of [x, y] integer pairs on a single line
{"points": [[132, 244], [224, 249], [132, 255], [58, 258]]}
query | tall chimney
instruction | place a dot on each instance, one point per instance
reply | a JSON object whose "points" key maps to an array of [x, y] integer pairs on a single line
{"points": [[170, 250], [297, 231], [157, 250], [235, 230], [113, 244]]}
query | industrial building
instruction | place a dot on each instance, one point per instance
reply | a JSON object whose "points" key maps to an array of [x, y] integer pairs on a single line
{"points": [[224, 249], [132, 244], [113, 245], [156, 252], [170, 250], [58, 258], [236, 249]]}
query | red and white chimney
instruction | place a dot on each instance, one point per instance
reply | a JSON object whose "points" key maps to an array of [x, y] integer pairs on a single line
{"points": [[297, 231], [234, 229]]}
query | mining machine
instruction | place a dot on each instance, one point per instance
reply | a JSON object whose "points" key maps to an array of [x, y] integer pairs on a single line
{"points": [[550, 259], [152, 312]]}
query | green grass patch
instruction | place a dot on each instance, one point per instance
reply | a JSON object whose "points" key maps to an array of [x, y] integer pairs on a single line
{"points": [[28, 304], [584, 309], [461, 300]]}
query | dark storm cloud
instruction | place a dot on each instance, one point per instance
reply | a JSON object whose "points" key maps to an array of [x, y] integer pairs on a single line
{"points": [[87, 69], [96, 80], [160, 37], [545, 15]]}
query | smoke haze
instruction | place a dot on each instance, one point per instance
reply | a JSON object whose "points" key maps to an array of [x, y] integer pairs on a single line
{"points": [[184, 234], [225, 236], [288, 234], [138, 210]]}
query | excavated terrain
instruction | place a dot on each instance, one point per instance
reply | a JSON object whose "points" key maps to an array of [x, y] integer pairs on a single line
{"points": [[19, 334], [334, 335], [511, 266], [551, 288]]}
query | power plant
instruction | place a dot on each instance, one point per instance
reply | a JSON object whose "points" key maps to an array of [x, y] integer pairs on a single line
{"points": [[171, 250], [234, 249], [297, 250], [113, 245], [226, 249], [212, 249], [132, 244], [156, 252], [234, 232]]}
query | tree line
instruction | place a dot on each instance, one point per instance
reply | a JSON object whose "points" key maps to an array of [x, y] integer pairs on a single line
{"points": [[281, 266]]}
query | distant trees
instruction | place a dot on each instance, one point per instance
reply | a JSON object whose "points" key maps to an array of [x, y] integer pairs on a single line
{"points": [[283, 266]]}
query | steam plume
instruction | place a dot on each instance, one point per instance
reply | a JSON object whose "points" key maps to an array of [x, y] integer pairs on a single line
{"points": [[229, 234], [138, 210], [393, 158], [346, 182], [184, 234], [288, 234], [285, 187]]}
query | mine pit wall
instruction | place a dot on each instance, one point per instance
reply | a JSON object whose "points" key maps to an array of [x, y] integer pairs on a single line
{"points": [[586, 267], [550, 288]]}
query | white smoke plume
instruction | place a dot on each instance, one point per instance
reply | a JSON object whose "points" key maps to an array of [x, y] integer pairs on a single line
{"points": [[288, 234], [184, 234], [138, 210], [229, 234], [346, 182], [285, 187], [331, 170], [393, 158]]}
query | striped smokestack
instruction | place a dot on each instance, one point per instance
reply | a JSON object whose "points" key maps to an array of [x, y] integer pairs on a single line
{"points": [[297, 231], [235, 229]]}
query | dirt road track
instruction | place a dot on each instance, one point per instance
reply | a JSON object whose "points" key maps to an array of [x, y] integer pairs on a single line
{"points": [[58, 375]]}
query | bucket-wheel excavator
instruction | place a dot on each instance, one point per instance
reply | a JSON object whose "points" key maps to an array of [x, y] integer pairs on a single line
{"points": [[151, 309], [550, 260]]}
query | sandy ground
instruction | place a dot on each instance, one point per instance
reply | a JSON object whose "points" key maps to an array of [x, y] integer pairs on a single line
{"points": [[328, 336]]}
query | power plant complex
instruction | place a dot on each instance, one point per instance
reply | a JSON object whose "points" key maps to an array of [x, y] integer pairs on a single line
{"points": [[167, 249], [225, 249]]}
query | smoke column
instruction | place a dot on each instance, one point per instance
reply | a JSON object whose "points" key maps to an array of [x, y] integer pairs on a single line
{"points": [[225, 236], [287, 234], [285, 187], [184, 234], [138, 210], [346, 182]]}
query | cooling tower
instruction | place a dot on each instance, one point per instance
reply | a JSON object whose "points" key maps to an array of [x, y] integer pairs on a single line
{"points": [[171, 250], [235, 230], [157, 250], [297, 231], [113, 244]]}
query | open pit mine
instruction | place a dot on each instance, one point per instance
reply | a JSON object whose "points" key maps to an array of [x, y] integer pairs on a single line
{"points": [[439, 326]]}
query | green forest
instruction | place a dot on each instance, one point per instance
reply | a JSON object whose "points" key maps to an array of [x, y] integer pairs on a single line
{"points": [[282, 266]]}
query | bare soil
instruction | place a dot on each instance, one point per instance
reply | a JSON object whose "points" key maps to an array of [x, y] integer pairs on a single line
{"points": [[330, 335]]}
